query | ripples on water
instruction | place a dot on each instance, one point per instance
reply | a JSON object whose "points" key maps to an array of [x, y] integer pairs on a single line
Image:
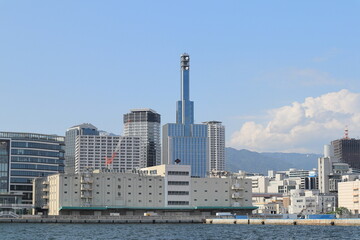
{"points": [[172, 231]]}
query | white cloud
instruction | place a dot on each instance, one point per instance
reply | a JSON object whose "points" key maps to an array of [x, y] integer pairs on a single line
{"points": [[302, 127]]}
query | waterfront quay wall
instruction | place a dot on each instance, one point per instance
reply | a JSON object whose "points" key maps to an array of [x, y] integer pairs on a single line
{"points": [[102, 219], [322, 222]]}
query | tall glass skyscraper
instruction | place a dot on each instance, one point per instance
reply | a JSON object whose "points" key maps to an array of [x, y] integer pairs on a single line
{"points": [[145, 123], [184, 140]]}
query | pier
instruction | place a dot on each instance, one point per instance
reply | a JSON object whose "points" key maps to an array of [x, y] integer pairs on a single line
{"points": [[322, 222], [104, 220]]}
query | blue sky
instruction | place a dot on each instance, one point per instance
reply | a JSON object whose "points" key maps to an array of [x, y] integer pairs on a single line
{"points": [[67, 62]]}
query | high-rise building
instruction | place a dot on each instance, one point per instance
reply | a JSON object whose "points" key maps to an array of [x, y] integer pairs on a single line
{"points": [[216, 135], [106, 152], [70, 139], [145, 123], [184, 140], [25, 156], [347, 150]]}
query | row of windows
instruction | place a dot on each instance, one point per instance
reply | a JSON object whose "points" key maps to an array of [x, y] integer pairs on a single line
{"points": [[36, 153], [21, 180], [30, 173], [37, 160], [178, 183], [129, 179], [32, 136], [178, 202], [38, 167], [36, 145], [178, 173], [178, 193]]}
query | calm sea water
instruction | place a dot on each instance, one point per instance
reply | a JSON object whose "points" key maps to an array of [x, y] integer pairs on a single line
{"points": [[173, 231]]}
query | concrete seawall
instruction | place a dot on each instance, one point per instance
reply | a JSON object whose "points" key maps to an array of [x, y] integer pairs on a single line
{"points": [[322, 222], [101, 220]]}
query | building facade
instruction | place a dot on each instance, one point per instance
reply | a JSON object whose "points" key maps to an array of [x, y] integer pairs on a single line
{"points": [[348, 194], [106, 152], [163, 189], [145, 123], [25, 156], [307, 202], [70, 140], [347, 150], [184, 140], [216, 136]]}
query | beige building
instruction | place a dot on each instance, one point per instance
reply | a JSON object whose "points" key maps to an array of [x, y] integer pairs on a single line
{"points": [[348, 194], [164, 189]]}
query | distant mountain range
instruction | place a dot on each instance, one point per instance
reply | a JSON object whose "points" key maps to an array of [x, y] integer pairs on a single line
{"points": [[262, 162]]}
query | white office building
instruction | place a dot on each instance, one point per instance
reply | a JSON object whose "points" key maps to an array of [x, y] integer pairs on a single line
{"points": [[216, 136], [106, 152]]}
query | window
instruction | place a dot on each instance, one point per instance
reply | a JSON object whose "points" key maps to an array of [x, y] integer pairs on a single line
{"points": [[65, 192], [185, 183], [108, 192], [178, 193], [178, 173], [178, 203]]}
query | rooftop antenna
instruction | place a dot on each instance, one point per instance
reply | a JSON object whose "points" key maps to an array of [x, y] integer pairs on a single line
{"points": [[346, 133]]}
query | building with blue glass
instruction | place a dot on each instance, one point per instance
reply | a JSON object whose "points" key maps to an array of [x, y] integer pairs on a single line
{"points": [[25, 156], [184, 140]]}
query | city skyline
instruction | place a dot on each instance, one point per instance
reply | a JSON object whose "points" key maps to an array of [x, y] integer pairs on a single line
{"points": [[277, 80]]}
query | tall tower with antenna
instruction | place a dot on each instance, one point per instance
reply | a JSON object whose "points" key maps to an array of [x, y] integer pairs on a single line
{"points": [[346, 133], [184, 140]]}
